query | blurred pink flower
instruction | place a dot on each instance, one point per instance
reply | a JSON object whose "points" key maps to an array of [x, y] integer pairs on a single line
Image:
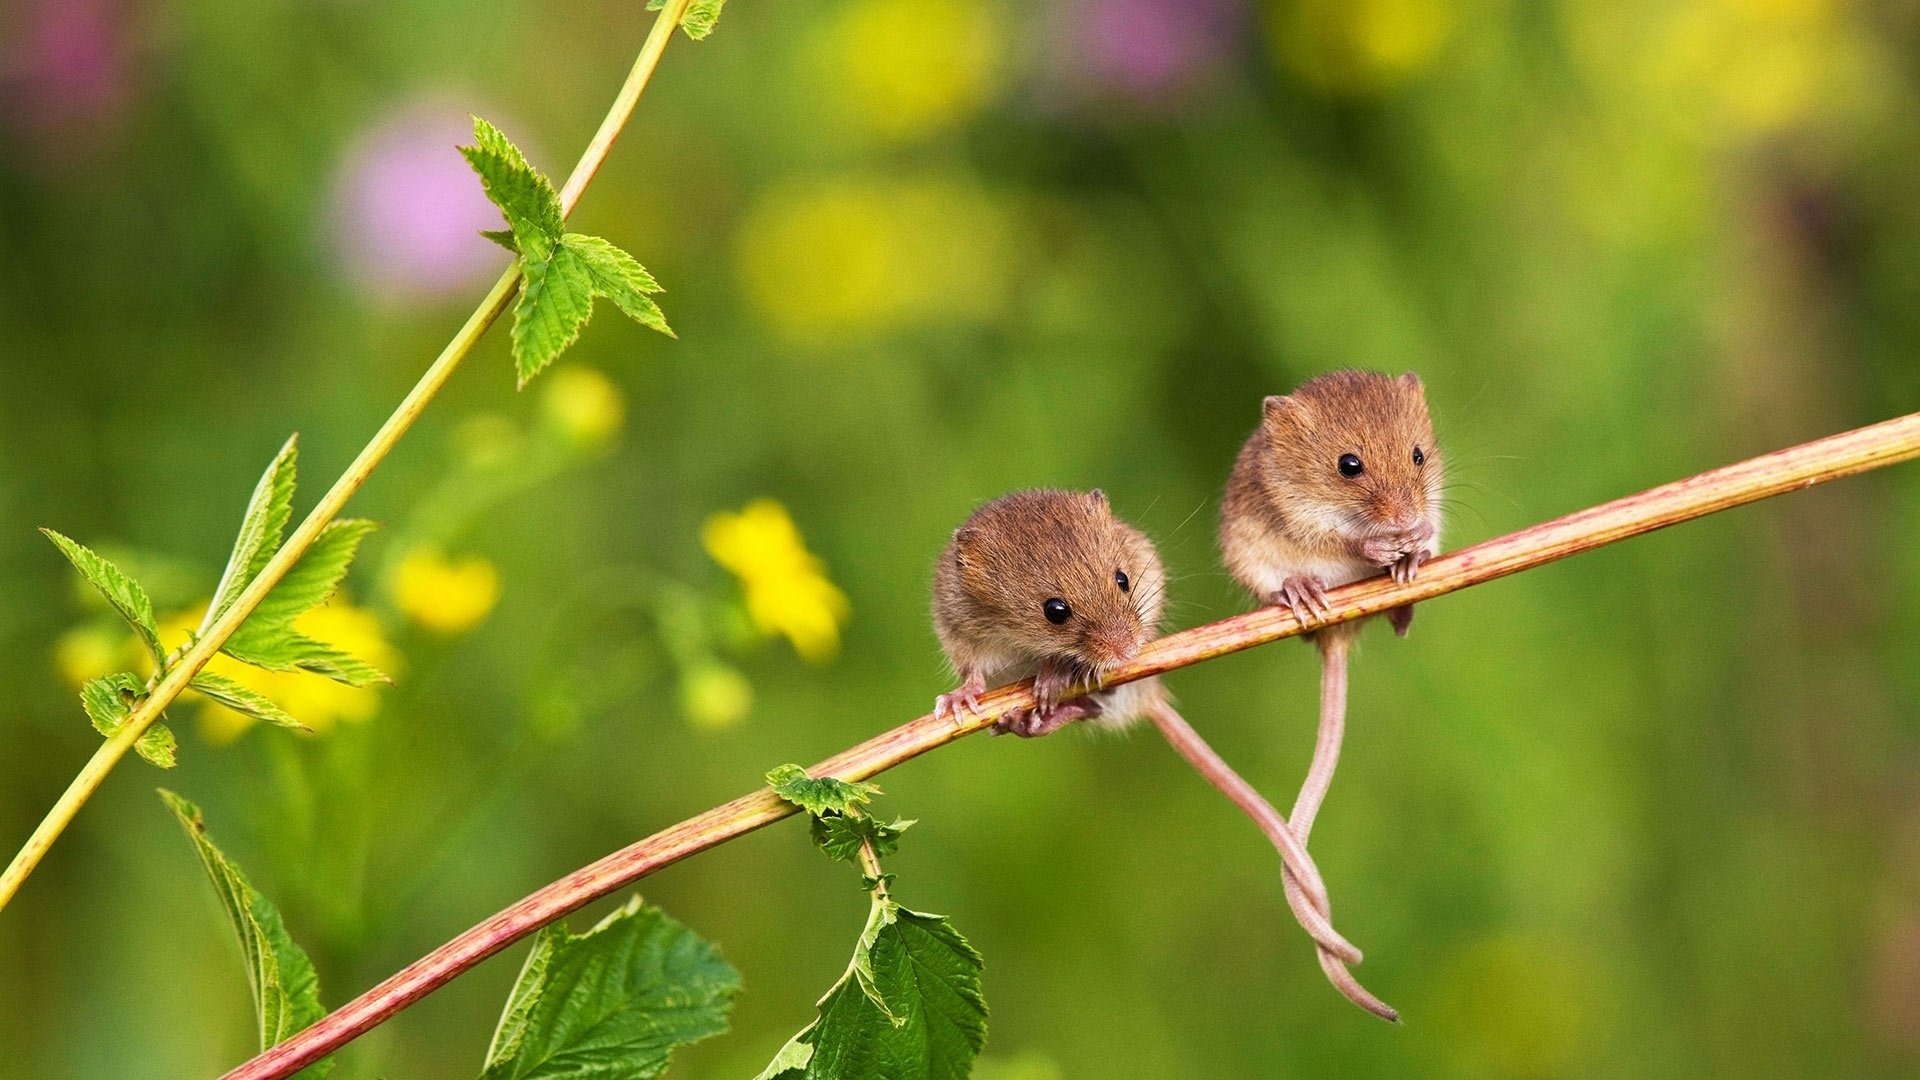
{"points": [[407, 211], [1148, 52], [65, 66]]}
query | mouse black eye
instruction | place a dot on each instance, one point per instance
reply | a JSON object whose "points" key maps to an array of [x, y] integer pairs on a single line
{"points": [[1418, 457], [1056, 611], [1120, 579], [1350, 466]]}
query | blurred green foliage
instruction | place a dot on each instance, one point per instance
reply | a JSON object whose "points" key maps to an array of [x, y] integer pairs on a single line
{"points": [[1650, 811]]}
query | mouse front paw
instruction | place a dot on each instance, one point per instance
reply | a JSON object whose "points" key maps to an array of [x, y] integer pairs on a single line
{"points": [[1305, 596], [1407, 566]]}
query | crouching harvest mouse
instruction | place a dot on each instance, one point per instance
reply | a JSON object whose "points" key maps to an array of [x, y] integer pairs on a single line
{"points": [[1341, 481], [1051, 584]]}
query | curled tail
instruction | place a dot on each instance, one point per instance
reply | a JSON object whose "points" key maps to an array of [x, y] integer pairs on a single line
{"points": [[1326, 755], [1306, 892]]}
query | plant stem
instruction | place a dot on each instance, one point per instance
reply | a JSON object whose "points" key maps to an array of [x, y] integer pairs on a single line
{"points": [[196, 657], [1772, 474]]}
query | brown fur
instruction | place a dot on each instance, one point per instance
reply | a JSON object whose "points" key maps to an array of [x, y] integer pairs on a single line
{"points": [[1018, 551], [1289, 512]]}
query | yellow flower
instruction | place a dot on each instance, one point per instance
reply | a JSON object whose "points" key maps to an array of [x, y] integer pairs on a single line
{"points": [[314, 700], [714, 696], [583, 405], [901, 69], [1361, 46], [94, 649], [786, 586], [447, 596], [828, 260]]}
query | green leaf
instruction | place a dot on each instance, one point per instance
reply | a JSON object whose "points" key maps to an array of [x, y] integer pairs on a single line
{"points": [[820, 795], [268, 639], [286, 992], [121, 591], [560, 272], [617, 276], [110, 699], [244, 700], [556, 298], [908, 1008], [261, 529], [839, 835], [613, 1003], [699, 17], [524, 196]]}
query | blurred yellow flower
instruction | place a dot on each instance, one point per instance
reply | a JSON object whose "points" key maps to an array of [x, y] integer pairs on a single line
{"points": [[826, 260], [445, 595], [786, 586], [583, 405], [1710, 70], [1360, 46], [94, 649], [714, 696], [902, 69], [314, 700]]}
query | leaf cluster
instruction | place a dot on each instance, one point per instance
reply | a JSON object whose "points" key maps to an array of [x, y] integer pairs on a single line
{"points": [[560, 272], [910, 1005], [610, 1004], [700, 16], [267, 639]]}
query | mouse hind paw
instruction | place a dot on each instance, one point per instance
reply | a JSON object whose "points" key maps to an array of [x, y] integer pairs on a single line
{"points": [[948, 706]]}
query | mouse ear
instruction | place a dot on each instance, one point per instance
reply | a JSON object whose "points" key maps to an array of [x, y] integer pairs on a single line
{"points": [[964, 536], [1411, 381], [1277, 405], [1099, 498]]}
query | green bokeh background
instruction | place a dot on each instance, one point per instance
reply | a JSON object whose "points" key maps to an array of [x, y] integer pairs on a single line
{"points": [[1651, 811]]}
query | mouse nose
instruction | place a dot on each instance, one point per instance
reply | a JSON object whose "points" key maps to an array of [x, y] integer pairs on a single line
{"points": [[1390, 545], [1117, 646]]}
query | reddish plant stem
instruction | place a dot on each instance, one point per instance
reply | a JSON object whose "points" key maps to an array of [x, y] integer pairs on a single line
{"points": [[1836, 456]]}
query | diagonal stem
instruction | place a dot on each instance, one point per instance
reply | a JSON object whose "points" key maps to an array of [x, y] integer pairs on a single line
{"points": [[1831, 458], [201, 651]]}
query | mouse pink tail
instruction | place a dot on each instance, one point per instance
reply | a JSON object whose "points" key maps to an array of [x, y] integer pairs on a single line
{"points": [[1306, 892], [1326, 756]]}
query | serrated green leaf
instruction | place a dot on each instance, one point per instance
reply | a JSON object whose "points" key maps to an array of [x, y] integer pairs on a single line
{"points": [[908, 1008], [267, 639], [839, 835], [261, 528], [819, 795], [286, 992], [613, 1003], [556, 299], [122, 592], [557, 293], [110, 699], [244, 700], [620, 278], [699, 18], [525, 197]]}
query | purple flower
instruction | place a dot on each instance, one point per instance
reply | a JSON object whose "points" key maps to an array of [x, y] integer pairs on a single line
{"points": [[65, 66], [408, 211], [1149, 52]]}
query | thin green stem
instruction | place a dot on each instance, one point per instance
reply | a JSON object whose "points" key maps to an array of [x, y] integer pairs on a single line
{"points": [[196, 657]]}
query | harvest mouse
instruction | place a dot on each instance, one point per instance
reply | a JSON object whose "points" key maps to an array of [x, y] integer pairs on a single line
{"points": [[1051, 584], [1341, 481]]}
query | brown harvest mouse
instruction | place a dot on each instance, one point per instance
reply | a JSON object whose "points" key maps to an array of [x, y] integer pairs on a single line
{"points": [[1341, 481], [1051, 584]]}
